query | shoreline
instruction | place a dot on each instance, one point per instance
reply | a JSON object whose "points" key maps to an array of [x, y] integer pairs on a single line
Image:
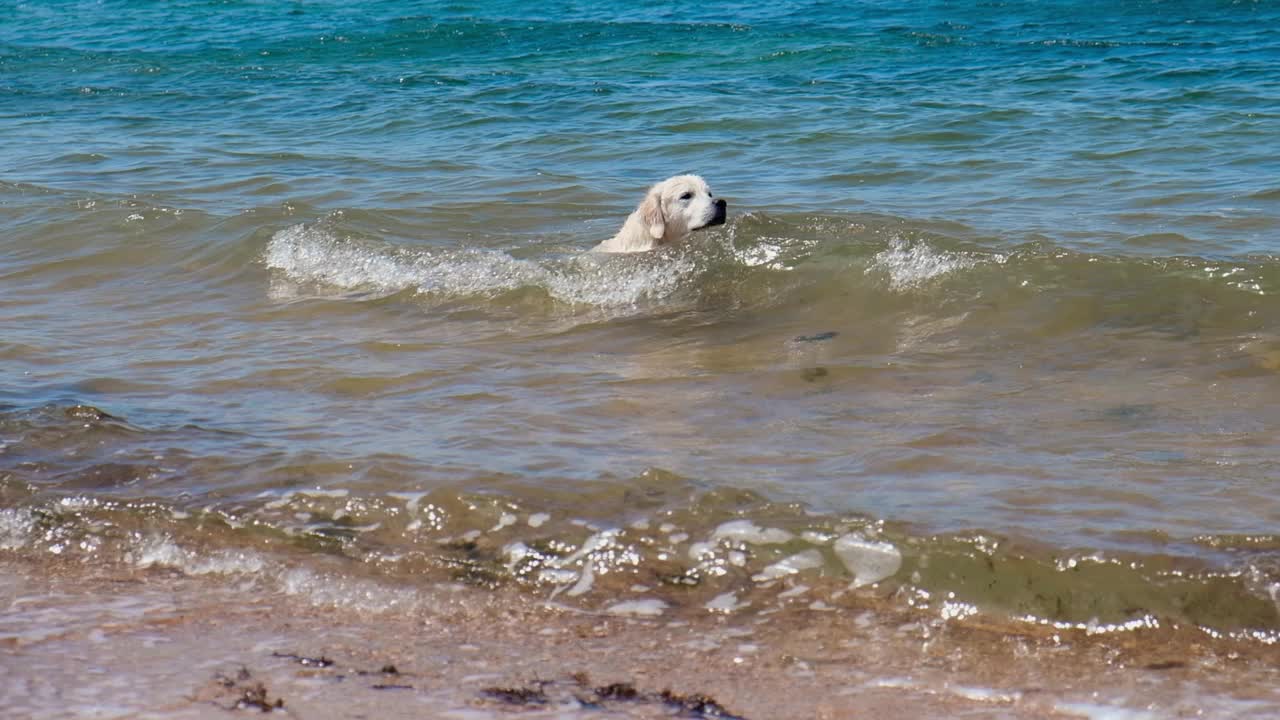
{"points": [[123, 642]]}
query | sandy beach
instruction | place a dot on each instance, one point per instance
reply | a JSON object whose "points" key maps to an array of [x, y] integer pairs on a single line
{"points": [[129, 643]]}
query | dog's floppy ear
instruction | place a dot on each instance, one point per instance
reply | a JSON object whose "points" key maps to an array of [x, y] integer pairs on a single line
{"points": [[651, 214]]}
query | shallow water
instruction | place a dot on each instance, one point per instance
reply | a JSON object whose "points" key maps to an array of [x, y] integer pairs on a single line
{"points": [[992, 319]]}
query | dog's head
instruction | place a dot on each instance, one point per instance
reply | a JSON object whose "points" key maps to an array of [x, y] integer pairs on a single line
{"points": [[679, 205]]}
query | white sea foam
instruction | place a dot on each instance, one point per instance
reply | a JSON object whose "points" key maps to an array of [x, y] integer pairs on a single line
{"points": [[516, 553], [505, 520], [313, 254], [807, 560], [725, 603], [912, 265], [984, 695], [639, 608], [342, 592], [601, 552], [1098, 711], [586, 579], [16, 528], [870, 561], [316, 254], [748, 532], [164, 552]]}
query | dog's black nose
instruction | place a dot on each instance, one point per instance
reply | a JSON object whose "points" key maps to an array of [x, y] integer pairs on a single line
{"points": [[721, 209]]}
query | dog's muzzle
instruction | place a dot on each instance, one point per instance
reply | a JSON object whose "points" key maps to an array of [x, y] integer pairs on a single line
{"points": [[721, 210]]}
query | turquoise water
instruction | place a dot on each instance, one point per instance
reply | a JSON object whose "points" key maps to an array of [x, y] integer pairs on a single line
{"points": [[997, 292], [1093, 126]]}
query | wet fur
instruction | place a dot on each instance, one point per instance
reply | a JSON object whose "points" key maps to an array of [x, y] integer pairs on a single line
{"points": [[670, 211]]}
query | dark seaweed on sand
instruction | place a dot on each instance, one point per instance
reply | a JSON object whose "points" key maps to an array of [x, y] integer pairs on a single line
{"points": [[320, 662], [617, 691], [251, 695], [519, 695], [697, 706]]}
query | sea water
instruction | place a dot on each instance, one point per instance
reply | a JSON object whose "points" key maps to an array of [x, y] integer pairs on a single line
{"points": [[993, 318]]}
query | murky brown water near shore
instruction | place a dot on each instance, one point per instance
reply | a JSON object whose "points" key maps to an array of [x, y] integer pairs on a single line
{"points": [[795, 413]]}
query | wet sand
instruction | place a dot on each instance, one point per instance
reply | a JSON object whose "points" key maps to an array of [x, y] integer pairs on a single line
{"points": [[123, 642]]}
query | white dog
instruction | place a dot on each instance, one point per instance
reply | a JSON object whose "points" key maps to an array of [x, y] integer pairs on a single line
{"points": [[670, 211]]}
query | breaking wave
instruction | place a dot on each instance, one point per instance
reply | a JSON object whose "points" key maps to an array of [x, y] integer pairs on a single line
{"points": [[320, 256]]}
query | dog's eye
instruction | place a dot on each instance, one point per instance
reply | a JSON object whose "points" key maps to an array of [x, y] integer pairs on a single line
{"points": [[687, 196]]}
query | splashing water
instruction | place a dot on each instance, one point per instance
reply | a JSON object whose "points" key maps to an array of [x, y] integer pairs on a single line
{"points": [[319, 255]]}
